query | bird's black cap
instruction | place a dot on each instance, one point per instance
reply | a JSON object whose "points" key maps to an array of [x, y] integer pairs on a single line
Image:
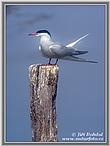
{"points": [[44, 31]]}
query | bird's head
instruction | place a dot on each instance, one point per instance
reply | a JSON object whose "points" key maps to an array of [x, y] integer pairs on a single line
{"points": [[41, 33]]}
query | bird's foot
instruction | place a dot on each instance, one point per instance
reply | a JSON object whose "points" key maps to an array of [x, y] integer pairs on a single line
{"points": [[48, 64]]}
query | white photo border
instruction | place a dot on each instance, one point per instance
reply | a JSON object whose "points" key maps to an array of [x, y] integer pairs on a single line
{"points": [[4, 3]]}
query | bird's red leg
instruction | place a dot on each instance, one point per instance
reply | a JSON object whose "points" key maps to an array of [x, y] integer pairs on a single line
{"points": [[49, 62], [56, 62]]}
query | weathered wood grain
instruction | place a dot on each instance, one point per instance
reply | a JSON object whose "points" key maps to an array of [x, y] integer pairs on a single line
{"points": [[43, 91]]}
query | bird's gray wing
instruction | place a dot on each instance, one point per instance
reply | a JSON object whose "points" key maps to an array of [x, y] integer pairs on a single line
{"points": [[79, 52], [60, 50], [73, 58]]}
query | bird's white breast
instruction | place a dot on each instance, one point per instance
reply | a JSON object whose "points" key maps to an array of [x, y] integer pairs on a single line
{"points": [[45, 43]]}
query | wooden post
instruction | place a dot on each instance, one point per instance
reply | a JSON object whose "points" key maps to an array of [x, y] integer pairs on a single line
{"points": [[43, 91]]}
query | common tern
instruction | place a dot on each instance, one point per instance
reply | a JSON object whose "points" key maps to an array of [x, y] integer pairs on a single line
{"points": [[50, 49]]}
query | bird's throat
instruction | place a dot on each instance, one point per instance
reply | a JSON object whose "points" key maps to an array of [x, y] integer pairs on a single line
{"points": [[45, 39]]}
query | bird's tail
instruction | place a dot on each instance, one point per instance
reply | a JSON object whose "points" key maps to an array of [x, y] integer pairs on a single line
{"points": [[72, 44]]}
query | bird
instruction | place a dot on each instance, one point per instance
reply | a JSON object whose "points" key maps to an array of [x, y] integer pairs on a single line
{"points": [[56, 50]]}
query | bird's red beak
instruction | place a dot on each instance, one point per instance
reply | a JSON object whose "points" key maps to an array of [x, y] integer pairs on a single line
{"points": [[33, 34]]}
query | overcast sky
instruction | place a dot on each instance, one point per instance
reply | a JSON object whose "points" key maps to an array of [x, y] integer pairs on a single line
{"points": [[81, 86]]}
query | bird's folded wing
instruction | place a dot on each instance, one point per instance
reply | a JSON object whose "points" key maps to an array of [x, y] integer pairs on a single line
{"points": [[60, 50], [73, 58], [79, 52]]}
